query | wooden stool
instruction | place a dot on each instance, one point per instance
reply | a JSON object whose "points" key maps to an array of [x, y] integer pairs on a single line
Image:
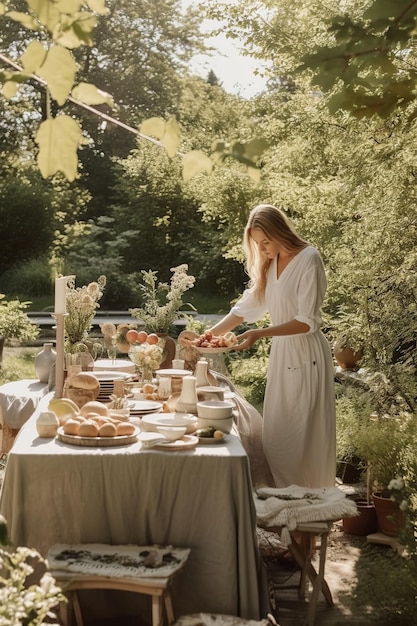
{"points": [[158, 587], [302, 553]]}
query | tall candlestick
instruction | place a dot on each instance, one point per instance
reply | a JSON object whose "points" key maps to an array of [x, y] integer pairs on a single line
{"points": [[60, 295]]}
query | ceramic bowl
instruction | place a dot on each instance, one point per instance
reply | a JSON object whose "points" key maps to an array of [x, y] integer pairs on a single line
{"points": [[215, 409], [172, 432], [224, 424], [152, 421]]}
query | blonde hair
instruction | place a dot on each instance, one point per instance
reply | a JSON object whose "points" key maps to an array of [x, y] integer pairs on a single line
{"points": [[276, 227]]}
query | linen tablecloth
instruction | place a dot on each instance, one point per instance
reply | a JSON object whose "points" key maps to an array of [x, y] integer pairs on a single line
{"points": [[199, 499]]}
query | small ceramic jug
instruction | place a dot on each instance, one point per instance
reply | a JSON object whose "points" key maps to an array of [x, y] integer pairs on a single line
{"points": [[187, 402], [47, 424], [201, 374]]}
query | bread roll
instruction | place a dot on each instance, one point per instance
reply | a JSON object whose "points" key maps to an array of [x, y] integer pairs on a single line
{"points": [[124, 428], [84, 380], [88, 429], [107, 430], [94, 407], [71, 427]]}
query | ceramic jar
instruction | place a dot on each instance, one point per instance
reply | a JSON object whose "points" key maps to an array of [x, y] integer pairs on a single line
{"points": [[44, 361], [47, 424], [201, 374], [187, 402]]}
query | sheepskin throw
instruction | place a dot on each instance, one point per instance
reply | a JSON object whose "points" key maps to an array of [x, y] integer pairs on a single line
{"points": [[294, 505]]}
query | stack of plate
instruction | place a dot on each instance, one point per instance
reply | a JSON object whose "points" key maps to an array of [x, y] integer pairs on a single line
{"points": [[106, 380], [138, 408]]}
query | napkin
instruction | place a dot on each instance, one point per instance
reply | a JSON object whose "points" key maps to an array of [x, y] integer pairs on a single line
{"points": [[150, 439]]}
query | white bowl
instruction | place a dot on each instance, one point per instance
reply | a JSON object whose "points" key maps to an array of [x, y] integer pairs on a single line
{"points": [[152, 421], [172, 432], [225, 424], [215, 409]]}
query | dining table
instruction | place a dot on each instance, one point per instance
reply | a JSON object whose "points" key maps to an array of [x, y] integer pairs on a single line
{"points": [[200, 498]]}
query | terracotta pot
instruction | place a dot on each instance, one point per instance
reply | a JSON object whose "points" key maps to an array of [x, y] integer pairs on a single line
{"points": [[390, 517], [365, 523], [346, 357]]}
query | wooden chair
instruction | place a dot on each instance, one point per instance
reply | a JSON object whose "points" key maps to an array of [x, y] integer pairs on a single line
{"points": [[158, 587], [302, 551]]}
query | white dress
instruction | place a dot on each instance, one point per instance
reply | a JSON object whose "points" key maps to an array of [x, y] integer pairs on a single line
{"points": [[299, 417]]}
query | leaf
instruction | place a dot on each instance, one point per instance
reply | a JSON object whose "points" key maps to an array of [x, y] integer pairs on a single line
{"points": [[23, 18], [73, 31], [172, 137], [46, 11], [2, 8], [33, 57], [153, 127], [59, 139], [98, 6], [195, 162], [383, 9], [59, 71], [255, 148], [89, 94], [9, 89], [69, 6]]}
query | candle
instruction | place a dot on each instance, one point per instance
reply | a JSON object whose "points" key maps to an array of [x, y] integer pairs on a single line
{"points": [[60, 294]]}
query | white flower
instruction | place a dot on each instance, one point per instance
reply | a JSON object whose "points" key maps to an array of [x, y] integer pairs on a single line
{"points": [[396, 484], [162, 301]]}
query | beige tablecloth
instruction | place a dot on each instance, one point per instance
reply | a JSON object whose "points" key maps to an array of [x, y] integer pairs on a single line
{"points": [[199, 499]]}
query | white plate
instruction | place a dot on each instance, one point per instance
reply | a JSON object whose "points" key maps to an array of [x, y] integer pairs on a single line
{"points": [[172, 372], [118, 365], [103, 376], [144, 406], [185, 443]]}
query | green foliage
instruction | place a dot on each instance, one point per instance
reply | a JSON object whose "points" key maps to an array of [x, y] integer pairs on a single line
{"points": [[14, 322], [369, 64], [27, 279]]}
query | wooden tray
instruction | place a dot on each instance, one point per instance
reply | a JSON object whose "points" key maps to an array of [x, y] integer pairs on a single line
{"points": [[94, 442]]}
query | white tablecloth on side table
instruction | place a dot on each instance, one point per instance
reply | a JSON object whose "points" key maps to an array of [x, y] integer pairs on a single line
{"points": [[18, 401], [199, 499]]}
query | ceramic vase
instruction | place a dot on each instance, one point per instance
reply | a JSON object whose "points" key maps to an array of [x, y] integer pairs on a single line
{"points": [[170, 349], [187, 402], [44, 361]]}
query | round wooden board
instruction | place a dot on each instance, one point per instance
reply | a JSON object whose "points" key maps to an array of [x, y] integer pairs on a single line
{"points": [[94, 442]]}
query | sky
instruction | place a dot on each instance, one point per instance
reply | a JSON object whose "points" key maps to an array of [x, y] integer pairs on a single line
{"points": [[234, 71]]}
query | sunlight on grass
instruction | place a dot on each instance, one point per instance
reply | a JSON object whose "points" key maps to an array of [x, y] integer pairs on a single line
{"points": [[18, 364]]}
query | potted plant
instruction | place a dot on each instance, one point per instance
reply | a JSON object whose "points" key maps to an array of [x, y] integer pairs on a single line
{"points": [[382, 443]]}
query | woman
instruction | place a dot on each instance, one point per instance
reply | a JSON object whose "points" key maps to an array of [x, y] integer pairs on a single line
{"points": [[287, 279]]}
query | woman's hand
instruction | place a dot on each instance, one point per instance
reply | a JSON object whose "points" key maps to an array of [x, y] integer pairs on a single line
{"points": [[247, 339]]}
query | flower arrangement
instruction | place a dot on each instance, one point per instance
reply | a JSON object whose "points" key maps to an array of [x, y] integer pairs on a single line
{"points": [[162, 302], [21, 603], [81, 305], [146, 356]]}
